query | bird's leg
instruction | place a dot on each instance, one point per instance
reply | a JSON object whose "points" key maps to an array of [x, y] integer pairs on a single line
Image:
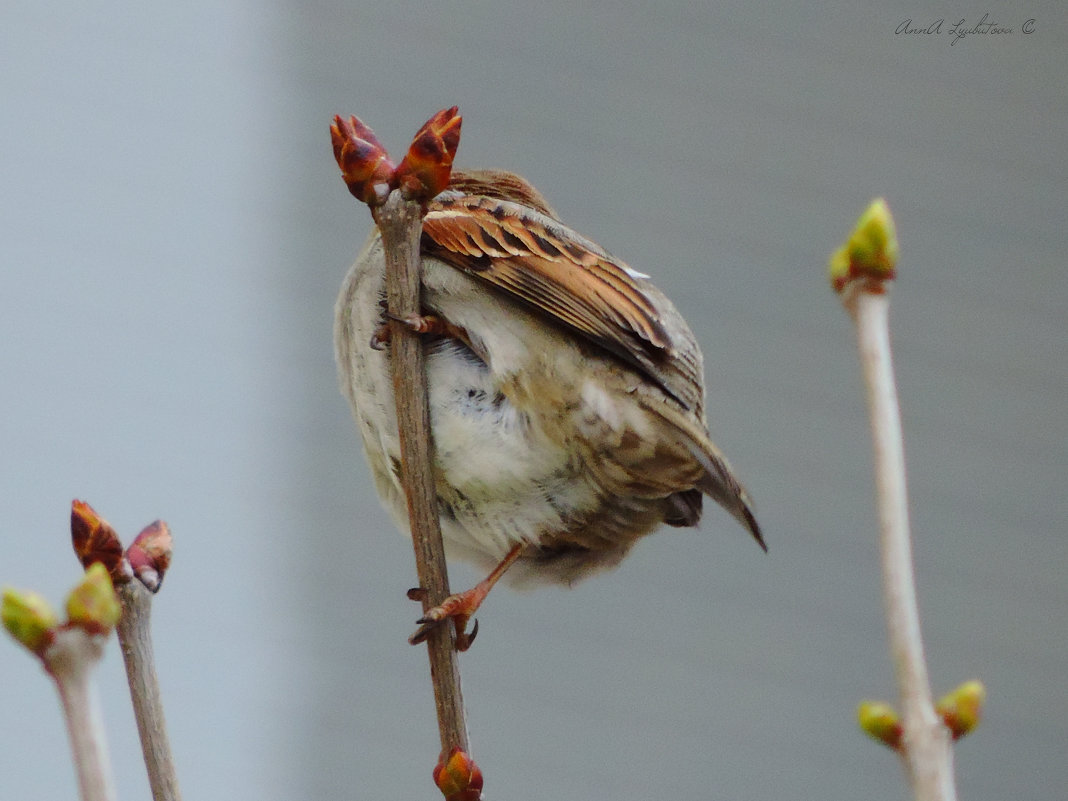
{"points": [[460, 606]]}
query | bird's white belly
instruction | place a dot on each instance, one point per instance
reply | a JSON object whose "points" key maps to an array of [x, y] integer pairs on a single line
{"points": [[500, 480]]}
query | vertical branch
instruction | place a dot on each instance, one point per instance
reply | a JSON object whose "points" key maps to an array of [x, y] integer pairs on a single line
{"points": [[925, 740], [400, 222], [137, 573], [397, 196], [69, 651], [135, 642], [870, 314], [70, 659], [861, 272]]}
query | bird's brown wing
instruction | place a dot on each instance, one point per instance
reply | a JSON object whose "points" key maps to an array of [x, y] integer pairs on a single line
{"points": [[535, 259]]}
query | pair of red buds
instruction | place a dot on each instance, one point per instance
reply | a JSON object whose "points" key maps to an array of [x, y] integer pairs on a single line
{"points": [[424, 172], [147, 558]]}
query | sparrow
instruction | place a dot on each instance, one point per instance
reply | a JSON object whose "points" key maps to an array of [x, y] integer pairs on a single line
{"points": [[566, 394]]}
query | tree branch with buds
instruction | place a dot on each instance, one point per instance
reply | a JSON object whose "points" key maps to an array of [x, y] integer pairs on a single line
{"points": [[397, 197], [861, 273], [69, 651], [137, 573]]}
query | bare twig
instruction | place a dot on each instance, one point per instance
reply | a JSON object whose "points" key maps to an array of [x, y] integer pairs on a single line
{"points": [[70, 659], [925, 739], [400, 222], [135, 641], [862, 272]]}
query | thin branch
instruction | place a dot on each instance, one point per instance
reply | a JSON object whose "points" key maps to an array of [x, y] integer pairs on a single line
{"points": [[396, 196], [135, 640], [861, 272], [400, 222], [137, 573], [70, 659], [925, 739]]}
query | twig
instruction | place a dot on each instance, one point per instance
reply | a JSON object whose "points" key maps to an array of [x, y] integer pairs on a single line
{"points": [[69, 651], [397, 198], [400, 222], [925, 739], [862, 272], [70, 659], [137, 573], [135, 641]]}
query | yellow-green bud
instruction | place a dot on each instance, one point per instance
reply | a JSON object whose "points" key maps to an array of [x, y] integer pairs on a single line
{"points": [[92, 604], [880, 722], [871, 250], [28, 617], [962, 708]]}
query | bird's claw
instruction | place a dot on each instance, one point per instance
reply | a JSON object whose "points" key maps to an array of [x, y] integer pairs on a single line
{"points": [[416, 323], [464, 639], [457, 607], [381, 337]]}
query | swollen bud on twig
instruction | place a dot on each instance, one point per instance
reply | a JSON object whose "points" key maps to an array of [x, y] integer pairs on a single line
{"points": [[149, 554], [92, 604], [364, 163], [962, 708], [870, 253], [29, 618], [94, 539], [425, 169], [880, 722], [95, 542], [458, 777]]}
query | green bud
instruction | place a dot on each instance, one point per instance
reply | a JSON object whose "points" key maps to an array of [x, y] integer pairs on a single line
{"points": [[880, 722], [92, 604], [962, 708], [871, 250], [28, 617]]}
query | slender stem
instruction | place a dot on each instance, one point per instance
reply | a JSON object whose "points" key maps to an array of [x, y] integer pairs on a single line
{"points": [[135, 640], [926, 750], [70, 659], [400, 222]]}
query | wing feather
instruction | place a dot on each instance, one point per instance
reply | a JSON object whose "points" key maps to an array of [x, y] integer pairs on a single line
{"points": [[535, 259]]}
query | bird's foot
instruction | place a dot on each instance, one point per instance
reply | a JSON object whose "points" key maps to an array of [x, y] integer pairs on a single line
{"points": [[458, 607], [461, 606], [429, 324]]}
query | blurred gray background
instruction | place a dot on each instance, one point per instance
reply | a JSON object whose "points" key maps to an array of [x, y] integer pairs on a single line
{"points": [[174, 231]]}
